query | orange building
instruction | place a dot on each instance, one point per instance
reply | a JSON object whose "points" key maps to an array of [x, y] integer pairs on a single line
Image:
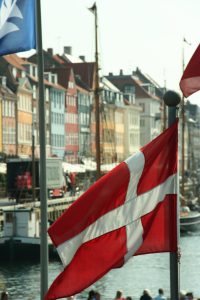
{"points": [[12, 67]]}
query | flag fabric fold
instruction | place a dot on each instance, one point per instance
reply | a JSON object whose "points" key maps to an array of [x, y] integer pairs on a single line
{"points": [[17, 26], [190, 80], [132, 210]]}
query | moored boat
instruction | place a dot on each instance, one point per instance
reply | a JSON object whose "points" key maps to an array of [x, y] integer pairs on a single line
{"points": [[20, 228], [189, 220], [20, 237]]}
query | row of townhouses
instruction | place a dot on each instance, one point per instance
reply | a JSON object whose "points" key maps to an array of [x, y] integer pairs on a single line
{"points": [[131, 109]]}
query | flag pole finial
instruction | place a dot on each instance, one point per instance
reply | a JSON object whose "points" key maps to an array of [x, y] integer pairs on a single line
{"points": [[171, 98]]}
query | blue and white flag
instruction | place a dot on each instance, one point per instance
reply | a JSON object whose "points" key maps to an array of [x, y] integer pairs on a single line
{"points": [[17, 26]]}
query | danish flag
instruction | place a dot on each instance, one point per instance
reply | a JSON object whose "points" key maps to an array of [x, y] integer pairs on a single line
{"points": [[190, 80], [131, 210]]}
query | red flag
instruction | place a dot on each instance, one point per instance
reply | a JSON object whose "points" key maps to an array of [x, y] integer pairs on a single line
{"points": [[129, 211], [190, 81]]}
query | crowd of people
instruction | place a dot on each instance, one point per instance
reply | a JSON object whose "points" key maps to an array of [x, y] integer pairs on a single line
{"points": [[146, 295]]}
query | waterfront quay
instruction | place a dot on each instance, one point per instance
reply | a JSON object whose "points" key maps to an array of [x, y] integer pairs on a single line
{"points": [[55, 207]]}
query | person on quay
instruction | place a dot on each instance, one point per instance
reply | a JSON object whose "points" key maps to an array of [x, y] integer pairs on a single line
{"points": [[4, 296], [182, 295], [160, 295], [146, 295], [119, 296], [189, 296], [98, 296], [128, 298], [91, 295]]}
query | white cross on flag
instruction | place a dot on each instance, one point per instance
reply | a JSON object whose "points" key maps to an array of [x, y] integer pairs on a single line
{"points": [[131, 210]]}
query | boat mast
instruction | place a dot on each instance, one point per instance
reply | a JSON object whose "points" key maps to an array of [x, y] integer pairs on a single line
{"points": [[96, 95], [33, 156], [183, 134]]}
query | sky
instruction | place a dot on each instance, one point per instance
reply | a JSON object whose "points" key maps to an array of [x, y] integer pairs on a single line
{"points": [[147, 34]]}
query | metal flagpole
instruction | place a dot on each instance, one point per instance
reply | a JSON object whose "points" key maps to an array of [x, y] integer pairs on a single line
{"points": [[42, 139], [172, 99]]}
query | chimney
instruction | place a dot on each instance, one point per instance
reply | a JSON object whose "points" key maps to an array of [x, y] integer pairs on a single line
{"points": [[110, 74], [67, 50], [82, 57], [121, 72], [50, 51]]}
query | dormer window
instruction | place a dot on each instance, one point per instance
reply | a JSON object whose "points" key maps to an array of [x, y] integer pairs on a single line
{"points": [[129, 89], [150, 88], [71, 84], [129, 93]]}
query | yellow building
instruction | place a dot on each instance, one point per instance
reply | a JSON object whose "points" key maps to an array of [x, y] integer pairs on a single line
{"points": [[24, 118], [108, 135], [112, 113], [119, 134]]}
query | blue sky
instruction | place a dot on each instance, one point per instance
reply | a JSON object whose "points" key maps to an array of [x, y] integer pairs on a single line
{"points": [[147, 34]]}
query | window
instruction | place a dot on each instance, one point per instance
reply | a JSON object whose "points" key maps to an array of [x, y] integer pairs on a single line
{"points": [[72, 139], [71, 100], [47, 94], [150, 88], [9, 217], [119, 117], [142, 122], [72, 118], [14, 71], [129, 89], [71, 84], [143, 106], [34, 70], [34, 91]]}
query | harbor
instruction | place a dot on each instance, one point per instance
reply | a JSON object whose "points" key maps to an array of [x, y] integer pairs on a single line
{"points": [[99, 168], [22, 280]]}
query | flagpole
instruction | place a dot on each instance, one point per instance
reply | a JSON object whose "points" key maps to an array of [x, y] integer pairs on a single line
{"points": [[42, 140], [172, 99], [183, 135]]}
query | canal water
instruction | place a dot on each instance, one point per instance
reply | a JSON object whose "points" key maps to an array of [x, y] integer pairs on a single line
{"points": [[22, 280]]}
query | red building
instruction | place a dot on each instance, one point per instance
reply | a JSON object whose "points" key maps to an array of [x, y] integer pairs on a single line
{"points": [[71, 121]]}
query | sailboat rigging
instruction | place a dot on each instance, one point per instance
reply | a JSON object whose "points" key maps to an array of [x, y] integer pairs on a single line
{"points": [[189, 220]]}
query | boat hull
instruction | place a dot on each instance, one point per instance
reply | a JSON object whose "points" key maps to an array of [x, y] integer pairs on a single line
{"points": [[190, 222], [23, 249]]}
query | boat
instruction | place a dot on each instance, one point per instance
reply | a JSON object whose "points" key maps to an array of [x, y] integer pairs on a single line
{"points": [[20, 232], [189, 195], [189, 200], [189, 220]]}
